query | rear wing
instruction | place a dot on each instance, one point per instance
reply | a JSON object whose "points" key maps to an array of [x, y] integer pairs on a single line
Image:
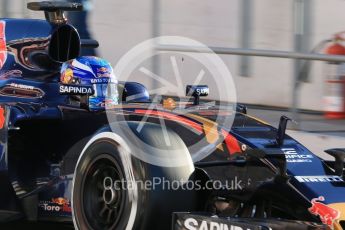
{"points": [[55, 6], [54, 11]]}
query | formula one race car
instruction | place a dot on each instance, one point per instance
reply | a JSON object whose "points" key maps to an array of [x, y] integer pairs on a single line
{"points": [[64, 160]]}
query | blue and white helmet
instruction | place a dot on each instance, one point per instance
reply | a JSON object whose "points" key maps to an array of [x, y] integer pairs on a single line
{"points": [[96, 74]]}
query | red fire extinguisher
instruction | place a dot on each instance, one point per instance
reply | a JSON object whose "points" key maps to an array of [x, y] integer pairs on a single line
{"points": [[334, 97]]}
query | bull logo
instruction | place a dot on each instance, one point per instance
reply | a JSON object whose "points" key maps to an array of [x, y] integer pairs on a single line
{"points": [[60, 201], [327, 214], [103, 72]]}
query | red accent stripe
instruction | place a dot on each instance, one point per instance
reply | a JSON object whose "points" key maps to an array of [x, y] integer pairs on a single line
{"points": [[231, 143], [171, 116], [3, 50], [2, 117]]}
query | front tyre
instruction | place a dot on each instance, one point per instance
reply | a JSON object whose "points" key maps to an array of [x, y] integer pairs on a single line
{"points": [[98, 202], [106, 193]]}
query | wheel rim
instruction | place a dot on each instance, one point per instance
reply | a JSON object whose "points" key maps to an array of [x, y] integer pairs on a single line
{"points": [[103, 198]]}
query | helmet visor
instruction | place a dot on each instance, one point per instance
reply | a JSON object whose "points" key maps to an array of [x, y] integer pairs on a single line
{"points": [[105, 90], [106, 95]]}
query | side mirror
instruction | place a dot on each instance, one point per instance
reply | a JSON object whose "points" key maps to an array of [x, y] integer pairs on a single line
{"points": [[282, 130], [197, 91], [133, 92]]}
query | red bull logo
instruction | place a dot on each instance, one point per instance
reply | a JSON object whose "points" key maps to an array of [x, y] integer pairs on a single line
{"points": [[60, 201], [103, 72], [3, 49], [327, 214], [59, 204]]}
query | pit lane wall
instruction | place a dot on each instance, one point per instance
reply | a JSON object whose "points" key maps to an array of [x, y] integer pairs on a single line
{"points": [[119, 25]]}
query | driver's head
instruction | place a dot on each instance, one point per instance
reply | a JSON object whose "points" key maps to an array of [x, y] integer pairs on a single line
{"points": [[95, 72]]}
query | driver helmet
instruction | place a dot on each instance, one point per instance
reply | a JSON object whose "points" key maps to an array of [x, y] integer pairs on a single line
{"points": [[95, 72]]}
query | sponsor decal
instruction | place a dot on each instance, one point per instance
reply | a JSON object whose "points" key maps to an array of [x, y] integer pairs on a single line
{"points": [[60, 201], [2, 117], [169, 104], [103, 72], [189, 221], [193, 224], [3, 48], [319, 179], [327, 214], [292, 156], [101, 80], [21, 91], [20, 86], [76, 90], [59, 204], [202, 91], [197, 90], [67, 77]]}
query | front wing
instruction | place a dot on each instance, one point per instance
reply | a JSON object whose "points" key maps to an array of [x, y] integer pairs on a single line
{"points": [[195, 221]]}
